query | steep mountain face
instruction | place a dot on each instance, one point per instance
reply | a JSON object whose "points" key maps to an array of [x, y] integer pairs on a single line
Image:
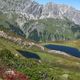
{"points": [[40, 22], [33, 10], [29, 8], [52, 10], [51, 30]]}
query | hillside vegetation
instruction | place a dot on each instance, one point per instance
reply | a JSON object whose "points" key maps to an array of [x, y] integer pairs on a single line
{"points": [[46, 67], [25, 27], [52, 30], [42, 29]]}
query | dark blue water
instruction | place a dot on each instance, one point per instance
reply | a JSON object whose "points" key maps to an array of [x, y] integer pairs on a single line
{"points": [[28, 54], [69, 50]]}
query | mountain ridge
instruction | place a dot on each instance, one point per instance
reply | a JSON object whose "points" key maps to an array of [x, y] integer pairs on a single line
{"points": [[37, 22], [34, 10]]}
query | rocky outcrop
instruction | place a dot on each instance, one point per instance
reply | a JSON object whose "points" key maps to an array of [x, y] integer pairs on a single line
{"points": [[32, 10], [52, 10], [20, 41], [58, 52], [48, 22], [29, 8]]}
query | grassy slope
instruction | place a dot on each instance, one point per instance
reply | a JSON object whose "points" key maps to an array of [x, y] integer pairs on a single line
{"points": [[51, 66]]}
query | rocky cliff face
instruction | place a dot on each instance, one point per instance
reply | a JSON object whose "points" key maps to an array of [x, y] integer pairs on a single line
{"points": [[40, 22], [33, 10], [52, 10], [29, 8]]}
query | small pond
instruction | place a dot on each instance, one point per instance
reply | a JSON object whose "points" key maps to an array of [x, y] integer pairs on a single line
{"points": [[28, 54], [69, 50]]}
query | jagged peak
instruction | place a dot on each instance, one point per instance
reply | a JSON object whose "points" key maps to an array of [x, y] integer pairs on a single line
{"points": [[34, 10]]}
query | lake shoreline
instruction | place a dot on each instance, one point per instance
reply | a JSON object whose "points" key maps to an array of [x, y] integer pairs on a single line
{"points": [[65, 50]]}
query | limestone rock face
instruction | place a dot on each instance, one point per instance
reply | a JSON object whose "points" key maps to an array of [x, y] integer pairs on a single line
{"points": [[38, 22], [52, 10], [29, 8], [33, 10]]}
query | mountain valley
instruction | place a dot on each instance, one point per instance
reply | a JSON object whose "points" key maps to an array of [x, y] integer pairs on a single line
{"points": [[25, 28]]}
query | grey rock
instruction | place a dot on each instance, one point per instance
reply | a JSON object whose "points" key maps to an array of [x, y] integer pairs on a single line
{"points": [[33, 10]]}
